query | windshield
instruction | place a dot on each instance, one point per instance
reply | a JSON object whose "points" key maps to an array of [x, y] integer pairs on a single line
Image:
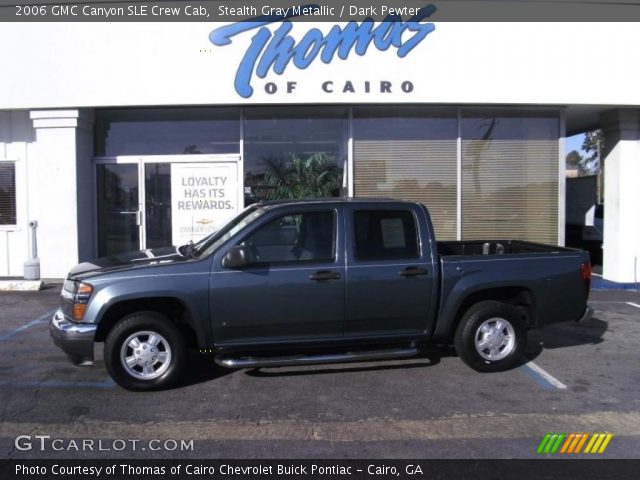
{"points": [[209, 244]]}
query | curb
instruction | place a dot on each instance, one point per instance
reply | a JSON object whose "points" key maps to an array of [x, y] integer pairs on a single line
{"points": [[598, 283], [20, 285]]}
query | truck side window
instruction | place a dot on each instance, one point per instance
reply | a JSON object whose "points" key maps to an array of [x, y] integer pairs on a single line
{"points": [[308, 236], [385, 235]]}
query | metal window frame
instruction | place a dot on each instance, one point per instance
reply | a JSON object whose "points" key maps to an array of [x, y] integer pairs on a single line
{"points": [[459, 178], [562, 173]]}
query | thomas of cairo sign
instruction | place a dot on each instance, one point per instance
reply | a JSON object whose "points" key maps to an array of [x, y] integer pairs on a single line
{"points": [[276, 50]]}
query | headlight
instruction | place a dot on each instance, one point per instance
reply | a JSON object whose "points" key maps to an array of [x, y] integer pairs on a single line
{"points": [[82, 293]]}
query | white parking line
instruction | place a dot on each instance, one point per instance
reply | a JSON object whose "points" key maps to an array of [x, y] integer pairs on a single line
{"points": [[545, 375], [633, 304]]}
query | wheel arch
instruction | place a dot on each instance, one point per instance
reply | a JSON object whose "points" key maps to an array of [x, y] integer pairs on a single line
{"points": [[518, 296], [173, 308]]}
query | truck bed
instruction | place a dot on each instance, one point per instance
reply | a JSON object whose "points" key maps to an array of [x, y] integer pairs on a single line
{"points": [[495, 247]]}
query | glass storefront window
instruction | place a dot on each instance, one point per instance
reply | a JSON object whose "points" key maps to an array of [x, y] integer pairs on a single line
{"points": [[294, 152], [157, 178], [7, 193], [409, 153], [510, 174], [167, 131], [509, 161]]}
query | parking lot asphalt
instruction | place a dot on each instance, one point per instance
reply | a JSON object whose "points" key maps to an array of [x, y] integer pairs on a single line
{"points": [[580, 378]]}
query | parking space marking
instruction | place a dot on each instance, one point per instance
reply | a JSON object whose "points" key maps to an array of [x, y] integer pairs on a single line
{"points": [[38, 320], [542, 377], [633, 304]]}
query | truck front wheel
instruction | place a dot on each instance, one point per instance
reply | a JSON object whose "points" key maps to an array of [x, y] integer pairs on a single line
{"points": [[491, 337], [145, 351]]}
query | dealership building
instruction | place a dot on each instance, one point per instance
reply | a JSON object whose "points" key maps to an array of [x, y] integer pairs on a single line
{"points": [[121, 136]]}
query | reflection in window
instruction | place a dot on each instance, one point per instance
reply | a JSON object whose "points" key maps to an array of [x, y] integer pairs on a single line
{"points": [[409, 153], [157, 178], [167, 131], [385, 235], [510, 175], [294, 153], [118, 229], [292, 238]]}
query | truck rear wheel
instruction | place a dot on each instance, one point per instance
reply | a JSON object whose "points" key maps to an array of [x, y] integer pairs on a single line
{"points": [[145, 351], [491, 337]]}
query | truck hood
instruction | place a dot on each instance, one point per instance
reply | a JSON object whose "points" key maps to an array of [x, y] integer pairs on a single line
{"points": [[127, 261]]}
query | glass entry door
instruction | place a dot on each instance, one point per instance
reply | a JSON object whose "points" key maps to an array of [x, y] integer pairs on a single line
{"points": [[157, 204], [161, 200], [119, 215]]}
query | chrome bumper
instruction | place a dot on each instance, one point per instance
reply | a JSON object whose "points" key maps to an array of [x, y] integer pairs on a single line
{"points": [[74, 339], [586, 316]]}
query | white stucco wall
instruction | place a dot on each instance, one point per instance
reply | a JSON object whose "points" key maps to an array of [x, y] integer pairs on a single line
{"points": [[53, 186], [108, 64], [16, 144], [622, 196]]}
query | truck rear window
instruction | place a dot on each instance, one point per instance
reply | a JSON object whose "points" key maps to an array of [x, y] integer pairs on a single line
{"points": [[385, 235]]}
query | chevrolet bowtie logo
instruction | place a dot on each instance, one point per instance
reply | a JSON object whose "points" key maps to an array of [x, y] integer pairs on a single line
{"points": [[205, 221]]}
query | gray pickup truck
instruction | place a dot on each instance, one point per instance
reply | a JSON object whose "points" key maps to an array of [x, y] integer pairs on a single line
{"points": [[318, 281]]}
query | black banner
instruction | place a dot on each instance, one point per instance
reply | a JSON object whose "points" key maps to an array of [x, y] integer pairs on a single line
{"points": [[318, 11], [318, 469]]}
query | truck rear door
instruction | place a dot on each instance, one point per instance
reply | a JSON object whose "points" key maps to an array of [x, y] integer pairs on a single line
{"points": [[391, 276]]}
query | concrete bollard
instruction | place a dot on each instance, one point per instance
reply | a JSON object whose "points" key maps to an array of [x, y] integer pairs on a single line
{"points": [[32, 266]]}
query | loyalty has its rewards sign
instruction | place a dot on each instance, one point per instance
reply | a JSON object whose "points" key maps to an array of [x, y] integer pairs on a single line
{"points": [[276, 50]]}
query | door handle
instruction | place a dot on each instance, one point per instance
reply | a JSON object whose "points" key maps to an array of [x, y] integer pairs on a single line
{"points": [[324, 275], [137, 213], [412, 272]]}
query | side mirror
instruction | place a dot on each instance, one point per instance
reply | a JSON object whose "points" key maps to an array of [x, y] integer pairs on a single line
{"points": [[237, 257]]}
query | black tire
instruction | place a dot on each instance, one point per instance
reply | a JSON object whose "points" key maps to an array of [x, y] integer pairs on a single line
{"points": [[172, 346], [484, 314]]}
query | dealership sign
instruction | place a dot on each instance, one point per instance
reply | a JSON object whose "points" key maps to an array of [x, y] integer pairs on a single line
{"points": [[203, 197], [276, 50]]}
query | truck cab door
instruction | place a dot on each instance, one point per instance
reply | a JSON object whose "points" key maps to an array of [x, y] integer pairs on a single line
{"points": [[391, 270], [294, 285]]}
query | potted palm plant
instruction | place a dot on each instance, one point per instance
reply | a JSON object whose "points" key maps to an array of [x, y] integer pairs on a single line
{"points": [[292, 176]]}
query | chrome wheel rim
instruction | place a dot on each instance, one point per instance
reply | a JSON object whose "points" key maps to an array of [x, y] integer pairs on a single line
{"points": [[495, 339], [145, 355]]}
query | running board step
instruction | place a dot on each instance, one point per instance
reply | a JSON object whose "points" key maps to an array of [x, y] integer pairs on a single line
{"points": [[285, 361]]}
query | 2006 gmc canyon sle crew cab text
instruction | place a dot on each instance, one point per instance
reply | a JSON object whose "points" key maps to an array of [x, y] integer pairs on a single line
{"points": [[318, 281]]}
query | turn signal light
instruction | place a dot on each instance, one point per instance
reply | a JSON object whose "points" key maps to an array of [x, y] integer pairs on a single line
{"points": [[78, 311], [80, 300]]}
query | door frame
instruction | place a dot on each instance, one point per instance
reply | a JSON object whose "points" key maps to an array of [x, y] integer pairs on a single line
{"points": [[142, 161]]}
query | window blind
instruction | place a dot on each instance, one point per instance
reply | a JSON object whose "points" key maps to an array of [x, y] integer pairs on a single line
{"points": [[409, 157], [7, 193], [510, 179]]}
